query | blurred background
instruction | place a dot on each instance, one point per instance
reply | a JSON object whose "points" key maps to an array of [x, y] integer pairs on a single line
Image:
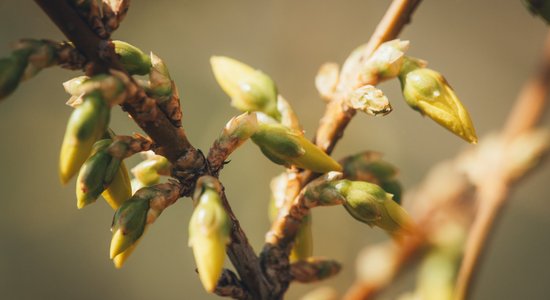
{"points": [[51, 250]]}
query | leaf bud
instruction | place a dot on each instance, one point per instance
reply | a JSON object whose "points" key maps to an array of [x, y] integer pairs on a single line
{"points": [[370, 100], [132, 58], [148, 172], [386, 61]]}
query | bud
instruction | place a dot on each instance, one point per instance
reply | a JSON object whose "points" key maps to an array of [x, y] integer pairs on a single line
{"points": [[11, 70], [370, 100], [129, 222], [326, 80], [160, 82], [132, 58], [369, 166], [238, 130], [303, 243], [87, 123], [209, 230], [428, 92], [385, 63], [249, 89], [288, 147], [93, 176], [120, 188], [148, 172], [370, 204]]}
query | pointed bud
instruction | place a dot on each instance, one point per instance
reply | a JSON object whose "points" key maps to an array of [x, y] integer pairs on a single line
{"points": [[148, 172], [87, 123], [132, 58], [209, 230], [288, 147], [120, 188], [239, 129], [385, 63], [303, 243], [428, 92], [370, 100], [129, 222], [160, 82], [93, 177], [249, 89], [121, 258], [324, 191], [370, 204], [11, 70], [369, 166], [326, 80]]}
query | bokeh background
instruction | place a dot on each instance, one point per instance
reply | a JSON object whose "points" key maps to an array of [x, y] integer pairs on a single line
{"points": [[51, 250]]}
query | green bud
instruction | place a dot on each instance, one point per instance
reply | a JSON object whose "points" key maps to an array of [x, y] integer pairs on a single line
{"points": [[370, 204], [370, 100], [132, 58], [539, 7], [11, 70], [369, 166], [87, 123], [288, 147], [160, 82], [249, 89], [129, 222], [148, 172], [385, 63], [428, 92], [92, 178], [209, 230]]}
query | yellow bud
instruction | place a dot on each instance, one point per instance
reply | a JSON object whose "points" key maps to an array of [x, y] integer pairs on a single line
{"points": [[428, 92], [249, 89], [120, 189]]}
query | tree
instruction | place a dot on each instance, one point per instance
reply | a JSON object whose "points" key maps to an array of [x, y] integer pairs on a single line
{"points": [[195, 160]]}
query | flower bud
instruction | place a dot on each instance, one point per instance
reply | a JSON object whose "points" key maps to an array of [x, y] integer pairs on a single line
{"points": [[129, 222], [249, 89], [370, 100], [428, 92], [370, 204], [87, 123], [11, 70], [148, 172], [209, 230], [120, 188], [160, 82], [369, 166], [132, 58], [288, 147], [385, 63]]}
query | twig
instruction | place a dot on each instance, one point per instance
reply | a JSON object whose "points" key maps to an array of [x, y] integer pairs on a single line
{"points": [[493, 192]]}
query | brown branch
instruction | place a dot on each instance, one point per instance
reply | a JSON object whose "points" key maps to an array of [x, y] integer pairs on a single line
{"points": [[493, 191]]}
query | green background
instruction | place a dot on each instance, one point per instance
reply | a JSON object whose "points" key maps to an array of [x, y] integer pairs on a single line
{"points": [[51, 250]]}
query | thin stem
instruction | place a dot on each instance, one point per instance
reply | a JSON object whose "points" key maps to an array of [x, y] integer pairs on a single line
{"points": [[493, 193]]}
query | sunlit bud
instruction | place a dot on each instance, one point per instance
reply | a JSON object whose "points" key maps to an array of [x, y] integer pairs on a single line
{"points": [[385, 63], [288, 147], [238, 130], [370, 100], [428, 92], [132, 58], [314, 269], [303, 243], [129, 222], [87, 124], [121, 258], [369, 166], [249, 89], [324, 191], [120, 188], [209, 230], [93, 178], [370, 204], [148, 172], [327, 80], [160, 82], [288, 116], [538, 7]]}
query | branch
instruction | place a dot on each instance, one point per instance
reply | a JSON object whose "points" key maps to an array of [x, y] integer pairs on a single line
{"points": [[493, 192]]}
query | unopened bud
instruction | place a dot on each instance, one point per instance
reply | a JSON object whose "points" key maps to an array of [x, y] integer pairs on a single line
{"points": [[385, 63], [428, 92], [132, 58], [148, 172], [249, 89], [120, 189], [209, 230], [370, 100], [370, 204], [288, 147], [11, 70], [160, 82], [129, 222], [87, 124]]}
